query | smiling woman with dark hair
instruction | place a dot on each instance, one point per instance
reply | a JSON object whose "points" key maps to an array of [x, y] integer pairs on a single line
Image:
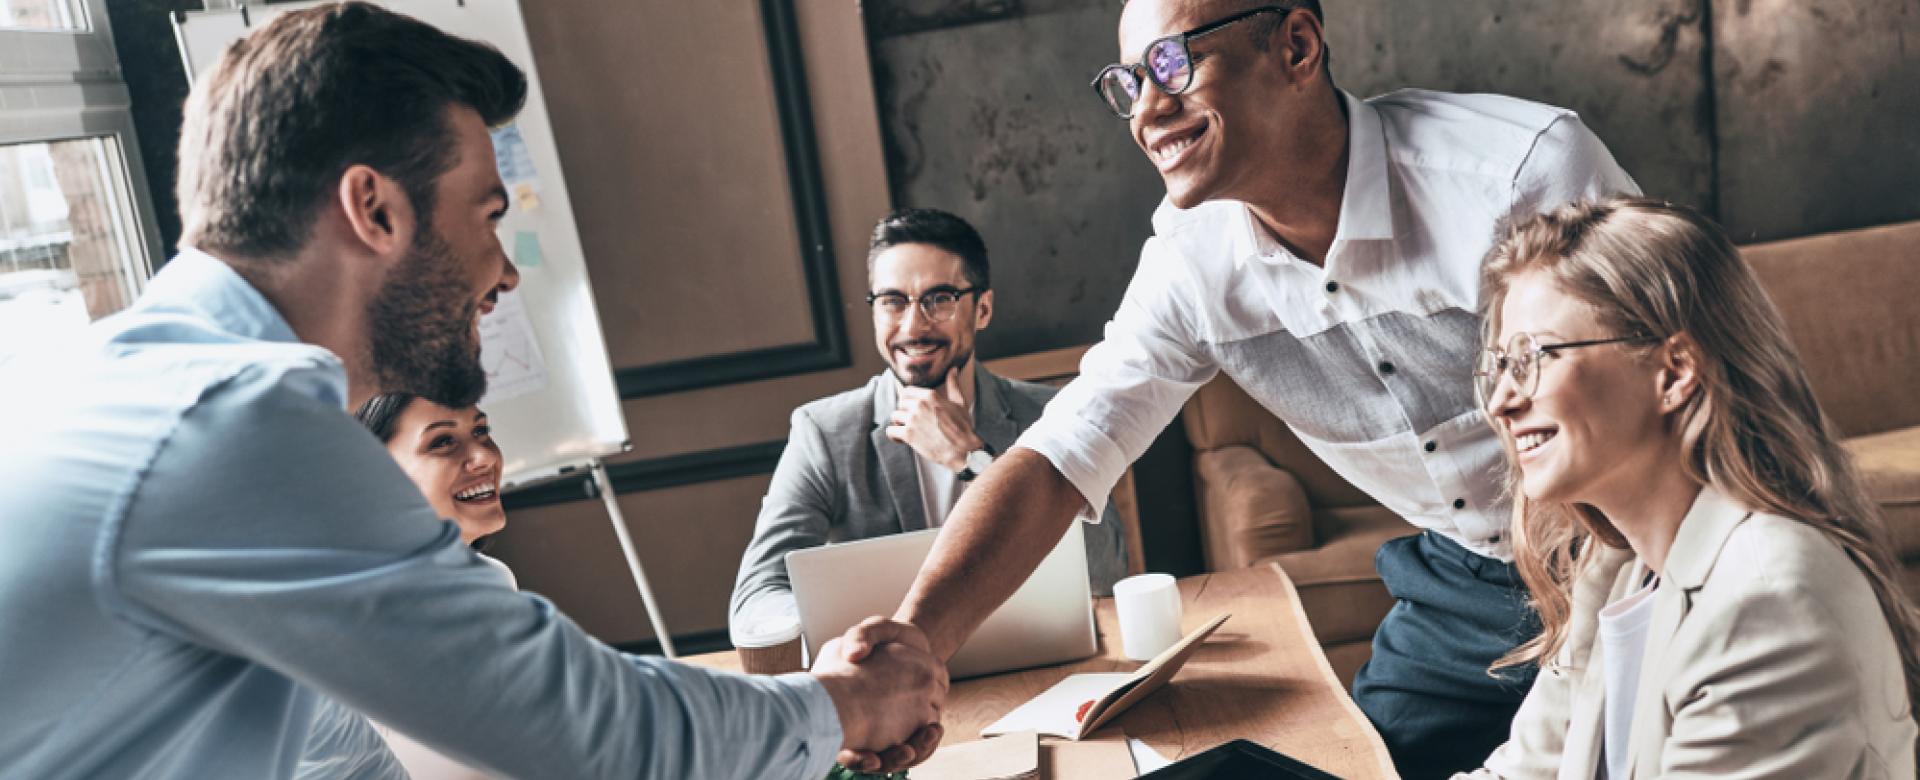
{"points": [[449, 453], [451, 456]]}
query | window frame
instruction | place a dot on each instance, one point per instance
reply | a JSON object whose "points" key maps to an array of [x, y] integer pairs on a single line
{"points": [[64, 85]]}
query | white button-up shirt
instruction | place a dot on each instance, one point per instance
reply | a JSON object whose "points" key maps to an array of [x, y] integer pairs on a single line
{"points": [[1368, 359]]}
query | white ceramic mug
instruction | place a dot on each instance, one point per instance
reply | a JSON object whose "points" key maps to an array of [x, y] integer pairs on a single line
{"points": [[1149, 608]]}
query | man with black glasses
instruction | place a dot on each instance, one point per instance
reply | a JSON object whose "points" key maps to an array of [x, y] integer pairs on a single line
{"points": [[1324, 252], [895, 454]]}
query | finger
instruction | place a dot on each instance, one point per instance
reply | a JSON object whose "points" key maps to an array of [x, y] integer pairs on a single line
{"points": [[878, 630], [858, 760], [896, 758], [897, 433], [863, 638], [925, 741]]}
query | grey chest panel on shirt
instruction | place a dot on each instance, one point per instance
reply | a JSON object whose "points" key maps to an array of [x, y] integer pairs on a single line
{"points": [[1364, 380]]}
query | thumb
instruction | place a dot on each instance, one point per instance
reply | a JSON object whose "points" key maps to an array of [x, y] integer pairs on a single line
{"points": [[876, 631]]}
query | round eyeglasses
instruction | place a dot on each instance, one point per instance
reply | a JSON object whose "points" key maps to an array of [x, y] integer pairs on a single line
{"points": [[1521, 361], [937, 305], [1167, 63]]}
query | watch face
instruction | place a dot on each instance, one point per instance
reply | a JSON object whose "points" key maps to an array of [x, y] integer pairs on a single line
{"points": [[979, 460]]}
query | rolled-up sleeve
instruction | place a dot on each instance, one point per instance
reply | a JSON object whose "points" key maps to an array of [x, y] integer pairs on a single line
{"points": [[273, 529], [1131, 384]]}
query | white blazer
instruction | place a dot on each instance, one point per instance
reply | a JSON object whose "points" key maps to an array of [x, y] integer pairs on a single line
{"points": [[1767, 656]]}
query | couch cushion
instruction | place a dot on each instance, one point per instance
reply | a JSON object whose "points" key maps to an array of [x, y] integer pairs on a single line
{"points": [[1848, 300], [1339, 588], [1221, 414], [1248, 509], [1889, 464]]}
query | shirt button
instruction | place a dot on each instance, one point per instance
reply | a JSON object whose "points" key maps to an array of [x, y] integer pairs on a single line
{"points": [[1386, 366], [1459, 503], [1432, 446], [1333, 286]]}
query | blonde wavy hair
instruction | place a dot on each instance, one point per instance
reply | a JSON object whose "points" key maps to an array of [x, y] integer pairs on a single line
{"points": [[1753, 431]]}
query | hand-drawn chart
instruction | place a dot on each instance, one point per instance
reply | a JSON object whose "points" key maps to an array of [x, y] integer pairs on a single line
{"points": [[509, 352]]}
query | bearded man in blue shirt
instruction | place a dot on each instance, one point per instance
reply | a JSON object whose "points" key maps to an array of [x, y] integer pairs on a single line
{"points": [[201, 543]]}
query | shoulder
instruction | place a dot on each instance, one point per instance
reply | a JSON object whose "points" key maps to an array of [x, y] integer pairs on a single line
{"points": [[1775, 556], [1024, 399], [1780, 582], [1493, 134], [850, 409]]}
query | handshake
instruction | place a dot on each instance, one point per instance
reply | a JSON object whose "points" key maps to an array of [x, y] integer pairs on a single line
{"points": [[888, 689]]}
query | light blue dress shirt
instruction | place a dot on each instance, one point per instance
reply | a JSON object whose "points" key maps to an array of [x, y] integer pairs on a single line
{"points": [[197, 545]]}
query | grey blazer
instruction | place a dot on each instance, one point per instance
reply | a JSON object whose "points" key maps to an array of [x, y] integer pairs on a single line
{"points": [[840, 479]]}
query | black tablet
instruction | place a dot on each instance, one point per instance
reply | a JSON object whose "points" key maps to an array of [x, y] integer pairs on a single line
{"points": [[1237, 759]]}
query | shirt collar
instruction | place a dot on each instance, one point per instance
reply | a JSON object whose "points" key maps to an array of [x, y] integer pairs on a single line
{"points": [[199, 282], [1366, 210], [1366, 214]]}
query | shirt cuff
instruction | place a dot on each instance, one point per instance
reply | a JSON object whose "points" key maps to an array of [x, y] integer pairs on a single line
{"points": [[1082, 454], [820, 732]]}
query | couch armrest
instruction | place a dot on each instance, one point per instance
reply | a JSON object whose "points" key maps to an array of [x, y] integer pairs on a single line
{"points": [[1249, 509]]}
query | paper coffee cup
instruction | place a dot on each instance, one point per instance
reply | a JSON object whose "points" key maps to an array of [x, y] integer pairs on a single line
{"points": [[770, 645], [1149, 608]]}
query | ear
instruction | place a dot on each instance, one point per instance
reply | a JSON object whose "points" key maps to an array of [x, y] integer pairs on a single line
{"points": [[1679, 359], [377, 209], [982, 310], [1302, 41]]}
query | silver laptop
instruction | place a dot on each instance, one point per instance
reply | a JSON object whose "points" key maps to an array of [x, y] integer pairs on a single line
{"points": [[1048, 620]]}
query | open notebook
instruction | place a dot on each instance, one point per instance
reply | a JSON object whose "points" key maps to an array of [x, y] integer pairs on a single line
{"points": [[1080, 704]]}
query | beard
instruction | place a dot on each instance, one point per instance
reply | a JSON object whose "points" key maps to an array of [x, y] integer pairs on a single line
{"points": [[935, 377], [423, 339]]}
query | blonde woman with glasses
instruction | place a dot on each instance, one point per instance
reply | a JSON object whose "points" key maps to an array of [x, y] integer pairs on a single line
{"points": [[1716, 591]]}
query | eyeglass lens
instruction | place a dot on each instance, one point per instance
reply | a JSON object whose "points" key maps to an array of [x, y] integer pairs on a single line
{"points": [[1516, 362], [938, 305], [1167, 63]]}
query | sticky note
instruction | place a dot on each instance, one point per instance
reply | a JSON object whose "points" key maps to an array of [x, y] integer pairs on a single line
{"points": [[526, 249]]}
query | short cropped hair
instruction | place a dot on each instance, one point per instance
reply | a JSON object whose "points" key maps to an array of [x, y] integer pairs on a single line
{"points": [[288, 109], [935, 228]]}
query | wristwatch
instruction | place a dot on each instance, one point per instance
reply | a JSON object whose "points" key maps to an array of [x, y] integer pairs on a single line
{"points": [[977, 462]]}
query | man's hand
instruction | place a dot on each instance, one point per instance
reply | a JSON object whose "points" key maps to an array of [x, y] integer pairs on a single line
{"points": [[936, 423], [888, 691]]}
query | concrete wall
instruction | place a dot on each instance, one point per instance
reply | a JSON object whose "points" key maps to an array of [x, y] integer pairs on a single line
{"points": [[1781, 117]]}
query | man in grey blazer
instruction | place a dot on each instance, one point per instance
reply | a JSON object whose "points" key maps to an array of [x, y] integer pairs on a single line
{"points": [[895, 455]]}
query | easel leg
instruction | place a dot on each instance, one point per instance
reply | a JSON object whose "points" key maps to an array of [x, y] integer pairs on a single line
{"points": [[605, 486]]}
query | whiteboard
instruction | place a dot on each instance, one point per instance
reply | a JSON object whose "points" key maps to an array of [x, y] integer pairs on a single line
{"points": [[551, 397]]}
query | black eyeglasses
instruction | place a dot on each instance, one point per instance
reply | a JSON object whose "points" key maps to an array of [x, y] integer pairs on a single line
{"points": [[1522, 358], [1168, 63], [937, 304]]}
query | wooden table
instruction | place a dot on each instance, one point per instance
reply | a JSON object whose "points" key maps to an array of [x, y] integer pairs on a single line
{"points": [[1261, 676]]}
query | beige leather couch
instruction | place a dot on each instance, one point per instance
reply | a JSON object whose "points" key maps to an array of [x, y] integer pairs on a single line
{"points": [[1852, 304]]}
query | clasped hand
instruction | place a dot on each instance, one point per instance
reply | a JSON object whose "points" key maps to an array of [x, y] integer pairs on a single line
{"points": [[888, 689]]}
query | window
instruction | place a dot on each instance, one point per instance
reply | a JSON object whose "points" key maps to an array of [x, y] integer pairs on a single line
{"points": [[65, 239], [42, 15], [77, 238]]}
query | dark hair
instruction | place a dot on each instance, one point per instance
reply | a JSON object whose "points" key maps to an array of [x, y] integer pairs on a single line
{"points": [[289, 108], [935, 228], [380, 412]]}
